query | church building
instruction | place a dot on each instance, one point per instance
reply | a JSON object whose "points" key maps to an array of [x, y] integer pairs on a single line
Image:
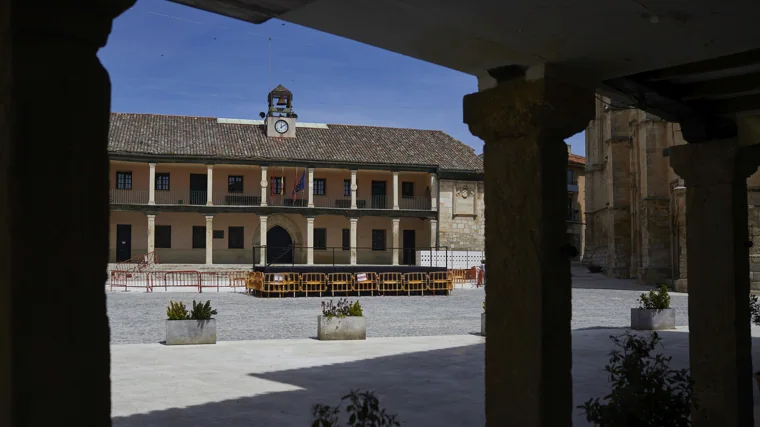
{"points": [[203, 190]]}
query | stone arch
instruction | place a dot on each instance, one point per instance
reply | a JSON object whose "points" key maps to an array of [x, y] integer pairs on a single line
{"points": [[287, 223]]}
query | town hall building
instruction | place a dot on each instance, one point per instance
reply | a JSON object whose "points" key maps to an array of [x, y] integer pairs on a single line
{"points": [[201, 190]]}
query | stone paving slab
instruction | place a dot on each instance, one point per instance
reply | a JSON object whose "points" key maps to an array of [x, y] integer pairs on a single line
{"points": [[426, 381]]}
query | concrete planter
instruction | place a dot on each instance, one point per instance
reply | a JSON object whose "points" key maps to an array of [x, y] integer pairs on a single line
{"points": [[643, 319], [341, 328], [188, 332], [483, 324]]}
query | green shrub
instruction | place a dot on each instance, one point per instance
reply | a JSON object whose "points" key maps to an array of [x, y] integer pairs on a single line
{"points": [[202, 311], [656, 300], [176, 311], [344, 308], [363, 410], [646, 392]]}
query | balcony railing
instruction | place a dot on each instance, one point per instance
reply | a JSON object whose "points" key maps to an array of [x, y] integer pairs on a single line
{"points": [[129, 197], [237, 199], [200, 198]]}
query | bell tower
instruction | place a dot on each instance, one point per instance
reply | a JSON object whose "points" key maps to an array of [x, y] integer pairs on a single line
{"points": [[280, 119]]}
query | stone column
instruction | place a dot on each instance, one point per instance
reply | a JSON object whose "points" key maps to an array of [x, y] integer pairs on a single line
{"points": [[354, 228], [151, 233], [311, 188], [434, 233], [152, 184], [717, 242], [264, 184], [434, 192], [263, 239], [55, 68], [395, 190], [354, 187], [309, 240], [395, 231], [209, 185], [528, 352], [209, 239]]}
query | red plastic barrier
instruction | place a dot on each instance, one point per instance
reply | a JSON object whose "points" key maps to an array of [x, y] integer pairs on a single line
{"points": [[175, 279], [130, 279]]}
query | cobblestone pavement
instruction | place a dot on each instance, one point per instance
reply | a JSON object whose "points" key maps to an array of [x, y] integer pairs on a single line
{"points": [[138, 317]]}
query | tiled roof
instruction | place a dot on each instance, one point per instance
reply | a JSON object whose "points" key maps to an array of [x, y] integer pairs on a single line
{"points": [[204, 137], [574, 158]]}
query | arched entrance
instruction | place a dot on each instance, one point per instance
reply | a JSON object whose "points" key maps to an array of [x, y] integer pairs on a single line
{"points": [[279, 246]]}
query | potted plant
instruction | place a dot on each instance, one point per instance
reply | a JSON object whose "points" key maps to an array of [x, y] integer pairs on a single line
{"points": [[483, 320], [363, 409], [645, 390], [196, 327], [342, 321], [654, 312]]}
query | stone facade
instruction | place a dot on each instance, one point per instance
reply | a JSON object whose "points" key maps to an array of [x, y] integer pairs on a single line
{"points": [[635, 203], [461, 224]]}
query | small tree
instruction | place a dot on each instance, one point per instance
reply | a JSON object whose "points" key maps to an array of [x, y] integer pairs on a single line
{"points": [[754, 309], [363, 410], [656, 300], [646, 392]]}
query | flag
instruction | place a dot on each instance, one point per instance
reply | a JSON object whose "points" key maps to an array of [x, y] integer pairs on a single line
{"points": [[300, 185]]}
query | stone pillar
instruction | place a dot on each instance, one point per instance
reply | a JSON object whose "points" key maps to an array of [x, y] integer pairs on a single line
{"points": [[354, 228], [209, 185], [434, 192], [152, 184], [354, 187], [309, 240], [264, 184], [263, 239], [528, 352], [433, 233], [395, 231], [209, 239], [55, 68], [151, 233], [715, 174], [395, 190], [311, 188]]}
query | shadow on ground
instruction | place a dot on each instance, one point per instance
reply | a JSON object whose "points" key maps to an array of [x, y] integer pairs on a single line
{"points": [[402, 382], [431, 388]]}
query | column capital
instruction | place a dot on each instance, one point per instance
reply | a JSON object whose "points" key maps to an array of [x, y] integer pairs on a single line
{"points": [[433, 220], [209, 217], [353, 171], [354, 219], [263, 217], [209, 166], [310, 219], [152, 164], [151, 216], [264, 167], [715, 162], [521, 108], [396, 219], [395, 173]]}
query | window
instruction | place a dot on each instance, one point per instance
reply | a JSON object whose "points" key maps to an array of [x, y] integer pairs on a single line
{"points": [[319, 187], [163, 236], [124, 180], [570, 177], [277, 185], [570, 213], [235, 238], [407, 189], [320, 238], [234, 184], [218, 234], [346, 239], [347, 187], [162, 181], [199, 237], [378, 240]]}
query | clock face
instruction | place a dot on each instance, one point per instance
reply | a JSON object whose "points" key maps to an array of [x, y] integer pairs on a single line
{"points": [[281, 126]]}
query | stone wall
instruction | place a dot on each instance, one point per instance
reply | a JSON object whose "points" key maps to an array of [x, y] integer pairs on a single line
{"points": [[461, 224]]}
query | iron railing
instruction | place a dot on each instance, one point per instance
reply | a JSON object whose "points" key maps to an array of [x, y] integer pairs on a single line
{"points": [[338, 255]]}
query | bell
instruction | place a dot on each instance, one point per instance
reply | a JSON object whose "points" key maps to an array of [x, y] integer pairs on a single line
{"points": [[282, 101]]}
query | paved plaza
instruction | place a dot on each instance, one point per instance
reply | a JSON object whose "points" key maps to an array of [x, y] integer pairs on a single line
{"points": [[422, 357]]}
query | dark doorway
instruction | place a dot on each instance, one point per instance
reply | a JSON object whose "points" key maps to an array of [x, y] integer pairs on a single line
{"points": [[123, 242], [409, 247], [379, 197], [279, 246], [198, 189], [199, 237]]}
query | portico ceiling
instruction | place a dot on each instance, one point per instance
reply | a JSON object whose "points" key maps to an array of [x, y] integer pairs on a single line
{"points": [[589, 41]]}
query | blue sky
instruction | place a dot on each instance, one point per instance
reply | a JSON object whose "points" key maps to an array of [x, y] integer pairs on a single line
{"points": [[165, 58]]}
